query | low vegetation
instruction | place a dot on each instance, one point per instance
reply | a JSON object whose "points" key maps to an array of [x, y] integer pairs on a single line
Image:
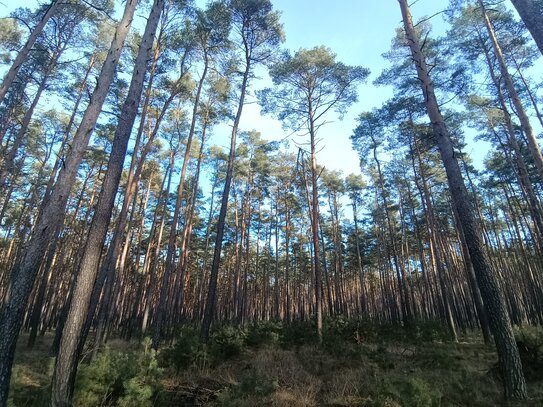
{"points": [[273, 364]]}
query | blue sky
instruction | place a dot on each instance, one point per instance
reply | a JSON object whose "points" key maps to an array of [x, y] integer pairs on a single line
{"points": [[359, 32]]}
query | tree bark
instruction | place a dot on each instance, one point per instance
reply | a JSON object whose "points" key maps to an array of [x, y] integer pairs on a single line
{"points": [[66, 365], [510, 363], [24, 271], [531, 12]]}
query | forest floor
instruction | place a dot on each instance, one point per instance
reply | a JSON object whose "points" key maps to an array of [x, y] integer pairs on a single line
{"points": [[269, 373]]}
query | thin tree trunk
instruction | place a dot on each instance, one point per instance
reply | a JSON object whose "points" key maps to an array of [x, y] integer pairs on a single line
{"points": [[213, 278], [170, 256], [315, 224], [23, 53]]}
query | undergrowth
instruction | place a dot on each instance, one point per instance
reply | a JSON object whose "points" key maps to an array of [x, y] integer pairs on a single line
{"points": [[358, 363]]}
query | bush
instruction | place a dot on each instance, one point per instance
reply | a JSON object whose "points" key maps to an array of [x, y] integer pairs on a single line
{"points": [[298, 333], [264, 332], [363, 330], [100, 382], [418, 393], [530, 345], [438, 356], [339, 327], [183, 353], [428, 331], [25, 390], [414, 392], [141, 389], [339, 337], [530, 340], [252, 389], [226, 343], [254, 384], [116, 378]]}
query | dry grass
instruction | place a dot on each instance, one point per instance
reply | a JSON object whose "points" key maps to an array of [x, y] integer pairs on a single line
{"points": [[380, 375], [31, 374], [365, 374]]}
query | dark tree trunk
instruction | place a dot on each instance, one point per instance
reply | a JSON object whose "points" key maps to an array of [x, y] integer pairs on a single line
{"points": [[531, 12], [511, 366]]}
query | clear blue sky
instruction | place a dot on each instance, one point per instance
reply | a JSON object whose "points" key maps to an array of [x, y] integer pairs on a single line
{"points": [[359, 32]]}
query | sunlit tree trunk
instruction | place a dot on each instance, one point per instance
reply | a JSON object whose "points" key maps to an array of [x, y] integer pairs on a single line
{"points": [[66, 365], [511, 366], [25, 269]]}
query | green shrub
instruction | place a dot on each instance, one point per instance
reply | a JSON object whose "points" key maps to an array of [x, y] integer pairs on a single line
{"points": [[427, 331], [339, 337], [364, 330], [141, 389], [530, 345], [298, 333], [253, 388], [183, 353], [226, 343], [264, 332], [473, 388], [418, 393], [339, 327], [136, 394], [25, 390], [253, 384], [413, 392], [438, 356], [116, 378], [530, 338], [100, 381]]}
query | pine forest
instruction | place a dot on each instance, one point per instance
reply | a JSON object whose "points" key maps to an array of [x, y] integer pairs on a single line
{"points": [[172, 232]]}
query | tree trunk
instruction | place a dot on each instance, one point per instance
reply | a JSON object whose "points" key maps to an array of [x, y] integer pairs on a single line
{"points": [[161, 207], [531, 12], [315, 225], [24, 272], [213, 277], [511, 366], [65, 369], [170, 256]]}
